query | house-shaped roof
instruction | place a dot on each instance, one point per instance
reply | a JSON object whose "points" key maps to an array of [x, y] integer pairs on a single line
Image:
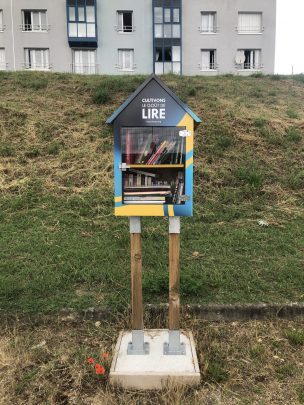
{"points": [[151, 78]]}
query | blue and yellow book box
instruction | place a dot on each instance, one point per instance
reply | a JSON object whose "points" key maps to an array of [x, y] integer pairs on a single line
{"points": [[153, 153]]}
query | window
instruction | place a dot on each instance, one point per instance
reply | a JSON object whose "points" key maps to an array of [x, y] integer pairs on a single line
{"points": [[167, 22], [251, 57], [81, 18], [168, 60], [2, 59], [208, 22], [126, 59], [1, 21], [36, 59], [34, 20], [125, 21], [208, 59], [84, 61], [250, 23]]}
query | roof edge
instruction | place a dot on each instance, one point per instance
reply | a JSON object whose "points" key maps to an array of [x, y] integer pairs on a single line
{"points": [[116, 113]]}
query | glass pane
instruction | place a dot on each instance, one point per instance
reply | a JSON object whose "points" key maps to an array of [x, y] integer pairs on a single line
{"points": [[35, 21], [147, 147], [90, 14], [159, 68], [158, 30], [176, 15], [167, 15], [176, 68], [158, 14], [167, 67], [81, 14], [176, 54], [72, 14], [176, 31], [91, 30], [43, 20], [167, 30], [82, 30], [72, 30]]}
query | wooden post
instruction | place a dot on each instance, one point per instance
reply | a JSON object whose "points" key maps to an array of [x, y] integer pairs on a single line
{"points": [[136, 274], [174, 274]]}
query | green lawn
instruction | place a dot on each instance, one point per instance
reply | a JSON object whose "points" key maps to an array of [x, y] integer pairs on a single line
{"points": [[61, 246]]}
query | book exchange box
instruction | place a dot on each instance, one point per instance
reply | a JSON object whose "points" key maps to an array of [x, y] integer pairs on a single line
{"points": [[153, 153]]}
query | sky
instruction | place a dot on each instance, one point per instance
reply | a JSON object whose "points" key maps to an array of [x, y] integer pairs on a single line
{"points": [[290, 36]]}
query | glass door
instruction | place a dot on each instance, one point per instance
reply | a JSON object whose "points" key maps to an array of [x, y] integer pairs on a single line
{"points": [[153, 164]]}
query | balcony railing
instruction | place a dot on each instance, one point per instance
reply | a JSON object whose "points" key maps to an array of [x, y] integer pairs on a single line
{"points": [[90, 69], [208, 67], [209, 30], [126, 69], [28, 66], [125, 28], [2, 27], [3, 66], [34, 28], [250, 29], [250, 66]]}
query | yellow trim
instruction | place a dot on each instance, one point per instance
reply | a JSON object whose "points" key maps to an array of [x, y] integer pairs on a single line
{"points": [[140, 210], [118, 199], [187, 122], [170, 210], [189, 162], [155, 166]]}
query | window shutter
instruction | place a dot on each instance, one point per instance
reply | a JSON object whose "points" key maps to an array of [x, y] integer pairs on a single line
{"points": [[205, 60]]}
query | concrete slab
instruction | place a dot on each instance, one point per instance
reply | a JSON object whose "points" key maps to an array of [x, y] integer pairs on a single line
{"points": [[154, 370]]}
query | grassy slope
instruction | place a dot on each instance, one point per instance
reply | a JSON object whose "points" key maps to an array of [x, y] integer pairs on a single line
{"points": [[59, 242]]}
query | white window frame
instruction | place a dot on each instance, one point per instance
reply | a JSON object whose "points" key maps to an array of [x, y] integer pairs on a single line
{"points": [[3, 64], [212, 17], [122, 60], [255, 61], [120, 22], [80, 68], [209, 66], [31, 56], [2, 26], [31, 27], [250, 29]]}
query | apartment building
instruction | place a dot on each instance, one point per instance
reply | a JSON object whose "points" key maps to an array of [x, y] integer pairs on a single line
{"points": [[189, 37]]}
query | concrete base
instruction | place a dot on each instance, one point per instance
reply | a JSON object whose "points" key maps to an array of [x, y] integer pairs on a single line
{"points": [[155, 370]]}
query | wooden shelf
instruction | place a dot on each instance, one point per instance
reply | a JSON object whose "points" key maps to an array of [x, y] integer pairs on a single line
{"points": [[156, 166]]}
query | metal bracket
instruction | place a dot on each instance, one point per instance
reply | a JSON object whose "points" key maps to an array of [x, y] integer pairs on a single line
{"points": [[135, 224], [184, 133], [174, 224], [124, 167], [138, 345], [174, 347], [184, 198]]}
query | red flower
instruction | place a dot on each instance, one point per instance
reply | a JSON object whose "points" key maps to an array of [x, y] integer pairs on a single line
{"points": [[99, 369], [105, 355], [91, 360]]}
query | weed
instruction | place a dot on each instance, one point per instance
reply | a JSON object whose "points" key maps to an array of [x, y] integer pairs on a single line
{"points": [[30, 81], [295, 337], [291, 113], [54, 148], [32, 153], [250, 175], [276, 77], [296, 180], [260, 122], [6, 150], [293, 135], [286, 370], [192, 92], [101, 95], [299, 78], [257, 351]]}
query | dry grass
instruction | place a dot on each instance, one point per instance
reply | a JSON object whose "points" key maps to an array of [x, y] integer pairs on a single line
{"points": [[241, 363]]}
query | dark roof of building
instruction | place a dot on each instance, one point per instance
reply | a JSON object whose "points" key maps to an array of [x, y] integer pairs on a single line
{"points": [[140, 88]]}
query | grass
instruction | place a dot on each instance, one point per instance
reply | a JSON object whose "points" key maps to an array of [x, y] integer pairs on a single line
{"points": [[45, 361], [62, 247]]}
